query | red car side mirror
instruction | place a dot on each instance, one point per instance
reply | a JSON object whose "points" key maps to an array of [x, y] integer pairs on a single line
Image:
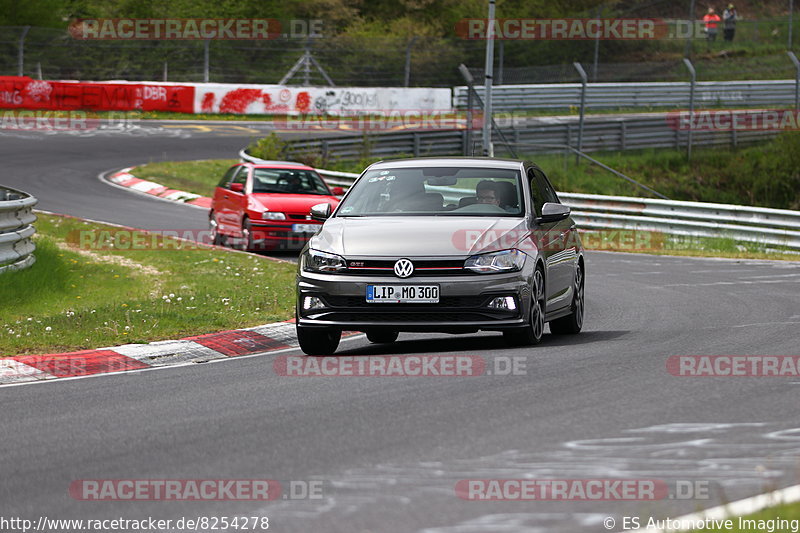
{"points": [[237, 187], [337, 191]]}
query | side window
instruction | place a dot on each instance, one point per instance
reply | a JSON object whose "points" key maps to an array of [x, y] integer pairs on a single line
{"points": [[536, 192], [549, 191], [241, 176], [226, 179]]}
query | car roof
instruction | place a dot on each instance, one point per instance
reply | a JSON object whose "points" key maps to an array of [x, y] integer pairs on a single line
{"points": [[476, 162], [278, 164]]}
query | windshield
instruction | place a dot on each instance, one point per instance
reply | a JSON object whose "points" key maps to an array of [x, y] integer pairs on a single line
{"points": [[435, 191], [281, 180]]}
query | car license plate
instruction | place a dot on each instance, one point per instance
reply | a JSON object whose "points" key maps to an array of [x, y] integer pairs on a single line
{"points": [[306, 228], [401, 294]]}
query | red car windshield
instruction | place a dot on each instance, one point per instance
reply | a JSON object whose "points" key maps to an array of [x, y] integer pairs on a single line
{"points": [[288, 181]]}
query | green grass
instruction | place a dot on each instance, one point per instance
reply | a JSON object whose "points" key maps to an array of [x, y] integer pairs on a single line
{"points": [[789, 511], [766, 174], [73, 299], [199, 177], [656, 243]]}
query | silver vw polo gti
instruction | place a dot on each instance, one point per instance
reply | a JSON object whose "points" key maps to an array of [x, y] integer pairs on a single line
{"points": [[453, 245]]}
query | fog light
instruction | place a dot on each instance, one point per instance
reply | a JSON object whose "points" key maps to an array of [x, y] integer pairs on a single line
{"points": [[505, 303], [312, 302]]}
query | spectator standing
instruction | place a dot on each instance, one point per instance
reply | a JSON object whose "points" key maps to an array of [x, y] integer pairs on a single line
{"points": [[729, 17], [711, 20]]}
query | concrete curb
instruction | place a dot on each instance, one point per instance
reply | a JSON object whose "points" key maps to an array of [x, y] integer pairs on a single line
{"points": [[124, 178], [195, 349]]}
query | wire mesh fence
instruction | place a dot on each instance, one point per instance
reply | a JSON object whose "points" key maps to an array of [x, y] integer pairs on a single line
{"points": [[757, 52]]}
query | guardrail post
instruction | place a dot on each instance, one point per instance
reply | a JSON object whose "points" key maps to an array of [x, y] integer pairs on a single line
{"points": [[324, 149], [416, 144], [623, 134], [584, 81], [734, 138], [21, 51], [796, 78], [693, 73]]}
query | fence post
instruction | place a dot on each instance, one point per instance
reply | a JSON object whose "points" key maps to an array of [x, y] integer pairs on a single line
{"points": [[688, 50], [21, 51], [791, 8], [584, 81], [166, 70], [597, 45], [796, 79], [501, 49], [693, 73], [487, 91], [205, 60], [407, 76], [468, 147]]}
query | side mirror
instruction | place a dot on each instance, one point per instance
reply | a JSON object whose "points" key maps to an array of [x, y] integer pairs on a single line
{"points": [[337, 191], [237, 187], [553, 212], [321, 211]]}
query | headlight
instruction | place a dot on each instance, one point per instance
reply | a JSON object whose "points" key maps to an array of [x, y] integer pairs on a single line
{"points": [[503, 261], [316, 261], [270, 215]]}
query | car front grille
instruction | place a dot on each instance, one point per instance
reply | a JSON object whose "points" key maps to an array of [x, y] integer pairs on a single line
{"points": [[435, 267]]}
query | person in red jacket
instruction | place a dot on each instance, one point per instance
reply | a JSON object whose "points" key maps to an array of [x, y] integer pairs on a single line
{"points": [[711, 20]]}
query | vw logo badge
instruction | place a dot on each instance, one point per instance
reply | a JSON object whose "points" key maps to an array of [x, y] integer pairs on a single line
{"points": [[403, 268]]}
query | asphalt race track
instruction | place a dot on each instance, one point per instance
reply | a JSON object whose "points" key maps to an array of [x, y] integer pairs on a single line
{"points": [[387, 452]]}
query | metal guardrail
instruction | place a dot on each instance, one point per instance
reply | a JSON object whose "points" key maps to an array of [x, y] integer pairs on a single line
{"points": [[600, 133], [773, 227], [16, 229], [507, 98]]}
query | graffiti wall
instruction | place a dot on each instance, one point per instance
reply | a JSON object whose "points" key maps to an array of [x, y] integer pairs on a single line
{"points": [[27, 93], [277, 100], [24, 92]]}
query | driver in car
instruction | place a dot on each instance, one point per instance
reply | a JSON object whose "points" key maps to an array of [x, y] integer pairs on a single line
{"points": [[487, 193]]}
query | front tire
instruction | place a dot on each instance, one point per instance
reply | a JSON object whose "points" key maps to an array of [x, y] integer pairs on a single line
{"points": [[573, 322], [216, 237], [247, 236], [533, 331], [318, 341]]}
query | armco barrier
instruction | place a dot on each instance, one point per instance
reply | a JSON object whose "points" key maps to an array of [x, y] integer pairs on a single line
{"points": [[773, 227], [651, 130], [633, 95], [16, 229]]}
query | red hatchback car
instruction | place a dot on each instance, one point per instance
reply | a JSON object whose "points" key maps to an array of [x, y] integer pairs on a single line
{"points": [[266, 206]]}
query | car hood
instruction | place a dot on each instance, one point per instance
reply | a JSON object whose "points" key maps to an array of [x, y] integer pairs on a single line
{"points": [[289, 203], [418, 236]]}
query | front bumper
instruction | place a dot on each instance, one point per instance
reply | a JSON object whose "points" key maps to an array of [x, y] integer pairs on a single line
{"points": [[279, 235], [462, 303]]}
